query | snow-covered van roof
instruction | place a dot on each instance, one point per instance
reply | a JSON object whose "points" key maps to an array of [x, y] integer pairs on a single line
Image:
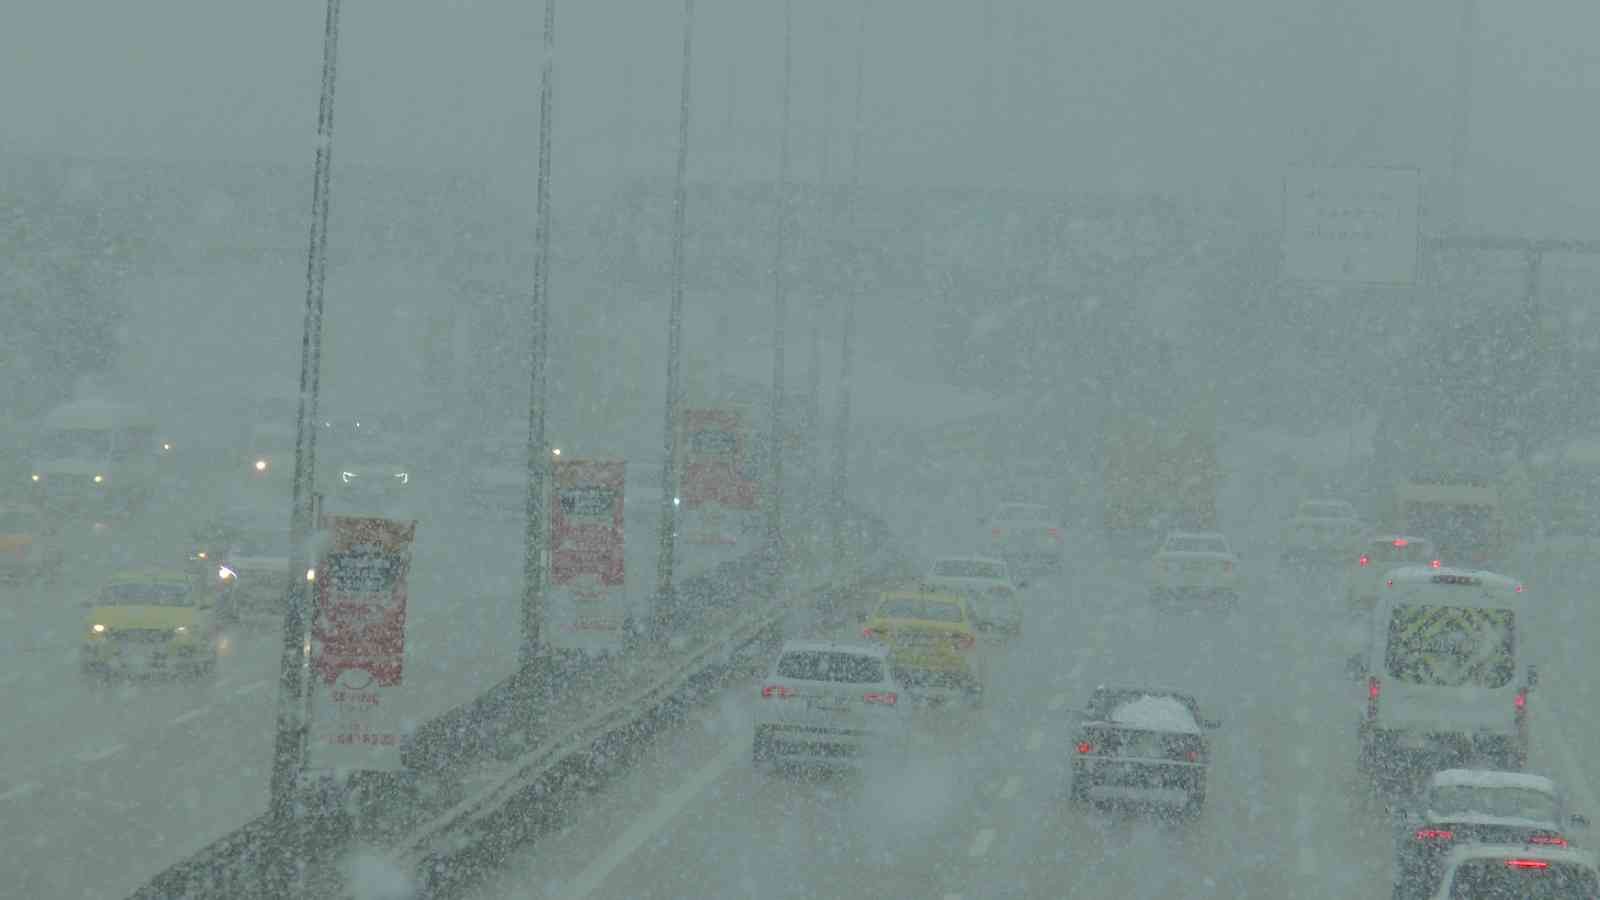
{"points": [[1156, 714], [1488, 778], [1488, 584]]}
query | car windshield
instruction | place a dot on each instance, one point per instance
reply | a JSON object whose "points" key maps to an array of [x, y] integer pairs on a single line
{"points": [[1513, 879], [967, 568], [1504, 801], [921, 610], [838, 667], [146, 594], [1452, 646], [1022, 513], [89, 444], [16, 521], [1326, 511], [272, 543], [1106, 702], [1197, 545]]}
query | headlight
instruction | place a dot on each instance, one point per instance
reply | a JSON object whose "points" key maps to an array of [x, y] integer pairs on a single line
{"points": [[181, 629], [261, 465], [346, 476], [201, 554], [405, 477], [97, 628], [226, 574], [311, 575], [37, 478], [99, 479]]}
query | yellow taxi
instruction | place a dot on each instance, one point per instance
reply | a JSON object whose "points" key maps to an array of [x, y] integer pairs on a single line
{"points": [[150, 623], [933, 643]]}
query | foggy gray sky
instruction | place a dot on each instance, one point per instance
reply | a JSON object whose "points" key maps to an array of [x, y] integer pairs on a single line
{"points": [[1157, 93]]}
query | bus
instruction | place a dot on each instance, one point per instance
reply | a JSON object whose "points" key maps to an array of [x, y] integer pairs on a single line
{"points": [[95, 459]]}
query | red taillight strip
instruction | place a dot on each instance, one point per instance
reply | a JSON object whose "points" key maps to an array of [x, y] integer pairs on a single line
{"points": [[1435, 834], [777, 690], [887, 698], [1527, 864], [1552, 840], [1085, 747]]}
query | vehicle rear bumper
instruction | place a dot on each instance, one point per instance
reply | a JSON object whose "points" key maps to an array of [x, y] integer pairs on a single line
{"points": [[1153, 774]]}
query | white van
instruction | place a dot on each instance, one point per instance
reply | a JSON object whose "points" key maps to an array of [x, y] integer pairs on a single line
{"points": [[1445, 671], [94, 458]]}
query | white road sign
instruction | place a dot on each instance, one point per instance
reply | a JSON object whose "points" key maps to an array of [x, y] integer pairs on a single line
{"points": [[1353, 225]]}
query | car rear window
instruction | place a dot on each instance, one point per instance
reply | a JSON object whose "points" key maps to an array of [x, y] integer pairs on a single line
{"points": [[1523, 879], [1327, 511], [1452, 646], [824, 665], [1197, 545], [1390, 551], [1506, 802], [920, 609], [966, 568]]}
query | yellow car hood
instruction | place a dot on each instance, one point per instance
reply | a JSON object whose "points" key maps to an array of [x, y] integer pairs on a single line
{"points": [[129, 617], [918, 642]]}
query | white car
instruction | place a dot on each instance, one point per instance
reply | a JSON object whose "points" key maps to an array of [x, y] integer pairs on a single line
{"points": [[1380, 555], [1518, 872], [1026, 535], [1321, 529], [987, 583], [1194, 563], [1476, 806], [830, 703]]}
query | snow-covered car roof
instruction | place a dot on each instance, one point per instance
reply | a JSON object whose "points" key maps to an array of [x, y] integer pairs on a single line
{"points": [[1156, 713], [1487, 778], [818, 646]]}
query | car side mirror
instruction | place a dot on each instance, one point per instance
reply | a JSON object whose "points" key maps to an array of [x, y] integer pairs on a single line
{"points": [[1533, 676]]}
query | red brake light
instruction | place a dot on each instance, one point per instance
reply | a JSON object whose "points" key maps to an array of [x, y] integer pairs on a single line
{"points": [[1365, 560], [1401, 542], [1553, 840], [887, 698], [965, 642], [1227, 567], [1374, 688], [1193, 755], [1437, 564], [1055, 533], [1522, 700], [1527, 864], [1435, 834], [1085, 747], [997, 532], [871, 634], [777, 690]]}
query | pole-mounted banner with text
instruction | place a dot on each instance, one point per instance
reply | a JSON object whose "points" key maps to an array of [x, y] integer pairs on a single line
{"points": [[586, 602], [358, 643]]}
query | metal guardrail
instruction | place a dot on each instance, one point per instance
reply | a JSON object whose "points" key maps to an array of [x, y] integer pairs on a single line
{"points": [[475, 831]]}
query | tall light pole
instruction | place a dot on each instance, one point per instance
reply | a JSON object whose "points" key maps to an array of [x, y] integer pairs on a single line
{"points": [[667, 537], [853, 275], [539, 319], [289, 751], [780, 307], [1461, 140]]}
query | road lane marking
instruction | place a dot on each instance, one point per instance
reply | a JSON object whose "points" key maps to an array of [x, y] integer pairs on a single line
{"points": [[93, 756], [1012, 787], [1035, 740], [20, 791], [251, 688], [1058, 702], [980, 844], [671, 804], [191, 715]]}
